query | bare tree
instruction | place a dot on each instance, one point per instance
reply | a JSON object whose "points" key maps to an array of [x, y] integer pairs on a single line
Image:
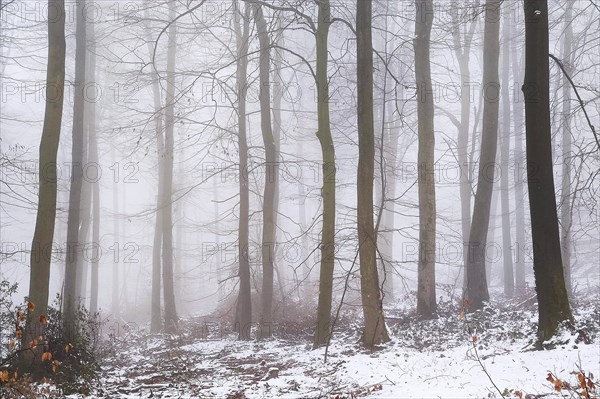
{"points": [[268, 231], [477, 290], [507, 259], [323, 329], [519, 157], [426, 298], [95, 183], [567, 151], [43, 236], [375, 331], [170, 316], [244, 302], [553, 301], [73, 224]]}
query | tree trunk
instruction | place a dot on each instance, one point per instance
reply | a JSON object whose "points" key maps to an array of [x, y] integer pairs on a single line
{"points": [[115, 309], [85, 217], [565, 201], [426, 298], [155, 309], [327, 245], [94, 180], [277, 129], [70, 292], [553, 301], [477, 291], [375, 331], [170, 316], [268, 230], [507, 259], [518, 110], [462, 49], [43, 236], [244, 303]]}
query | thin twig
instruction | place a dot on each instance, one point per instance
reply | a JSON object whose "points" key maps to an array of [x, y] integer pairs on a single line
{"points": [[581, 103]]}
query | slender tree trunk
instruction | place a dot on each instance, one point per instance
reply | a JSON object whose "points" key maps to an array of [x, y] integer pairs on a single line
{"points": [[94, 180], [43, 236], [323, 329], [244, 303], [268, 232], [73, 223], [477, 291], [518, 112], [115, 308], [553, 301], [277, 129], [308, 290], [462, 49], [507, 259], [491, 257], [565, 202], [375, 331], [170, 316], [85, 217], [155, 308], [426, 298]]}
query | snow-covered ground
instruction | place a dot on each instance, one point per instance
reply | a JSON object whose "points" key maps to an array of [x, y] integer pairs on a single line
{"points": [[425, 359]]}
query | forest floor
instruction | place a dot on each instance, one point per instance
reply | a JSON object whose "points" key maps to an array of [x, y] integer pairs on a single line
{"points": [[485, 355]]}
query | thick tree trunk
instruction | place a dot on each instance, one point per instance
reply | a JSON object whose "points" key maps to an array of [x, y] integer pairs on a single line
{"points": [[375, 331], [507, 259], [43, 236], [73, 223], [323, 328], [170, 316], [244, 302], [426, 298], [565, 201], [477, 291], [553, 301], [268, 230]]}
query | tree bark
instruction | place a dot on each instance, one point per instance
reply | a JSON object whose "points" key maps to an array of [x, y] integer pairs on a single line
{"points": [[94, 160], [268, 229], [426, 298], [73, 222], [170, 315], [155, 307], [507, 259], [375, 331], [115, 308], [244, 303], [462, 50], [518, 111], [565, 197], [327, 245], [477, 291], [43, 236], [553, 301]]}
